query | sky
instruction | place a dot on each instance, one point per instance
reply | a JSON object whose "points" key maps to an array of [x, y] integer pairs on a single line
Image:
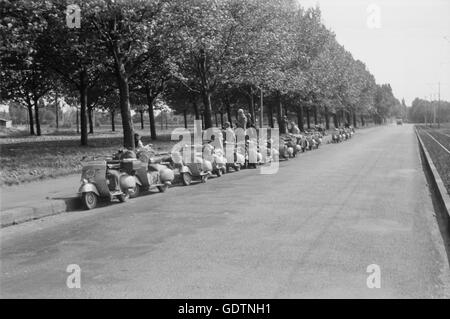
{"points": [[407, 44]]}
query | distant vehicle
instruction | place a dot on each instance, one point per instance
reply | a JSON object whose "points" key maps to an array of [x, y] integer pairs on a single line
{"points": [[399, 122]]}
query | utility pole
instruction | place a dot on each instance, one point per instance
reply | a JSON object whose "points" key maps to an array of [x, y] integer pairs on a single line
{"points": [[439, 103], [431, 105], [434, 113], [426, 112]]}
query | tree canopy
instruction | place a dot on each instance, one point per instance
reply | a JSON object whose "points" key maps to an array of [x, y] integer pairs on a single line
{"points": [[204, 56]]}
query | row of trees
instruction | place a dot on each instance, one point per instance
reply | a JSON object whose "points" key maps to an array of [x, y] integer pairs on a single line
{"points": [[202, 57], [424, 111]]}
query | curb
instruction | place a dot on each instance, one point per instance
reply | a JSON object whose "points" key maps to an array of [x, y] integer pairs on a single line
{"points": [[19, 215], [439, 184]]}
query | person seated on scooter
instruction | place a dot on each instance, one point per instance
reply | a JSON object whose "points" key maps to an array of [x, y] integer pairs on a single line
{"points": [[137, 141], [293, 128]]}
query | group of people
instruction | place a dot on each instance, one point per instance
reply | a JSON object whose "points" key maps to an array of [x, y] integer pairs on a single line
{"points": [[243, 120]]}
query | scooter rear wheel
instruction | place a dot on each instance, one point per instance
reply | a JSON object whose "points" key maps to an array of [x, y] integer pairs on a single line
{"points": [[162, 188], [123, 198], [186, 178], [136, 191], [89, 200]]}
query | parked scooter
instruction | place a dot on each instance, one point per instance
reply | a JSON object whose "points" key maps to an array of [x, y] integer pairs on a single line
{"points": [[195, 168], [216, 157], [291, 142], [104, 179], [237, 162], [312, 144], [149, 175], [336, 136]]}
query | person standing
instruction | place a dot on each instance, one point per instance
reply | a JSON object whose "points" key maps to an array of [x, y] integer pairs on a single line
{"points": [[250, 122], [241, 119]]}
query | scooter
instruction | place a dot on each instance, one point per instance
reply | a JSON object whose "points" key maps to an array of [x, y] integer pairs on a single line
{"points": [[291, 142], [196, 167], [216, 157], [336, 137], [317, 137], [104, 179], [148, 175], [312, 144], [237, 163]]}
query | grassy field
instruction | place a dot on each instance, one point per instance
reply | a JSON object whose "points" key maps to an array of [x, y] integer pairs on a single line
{"points": [[440, 157], [28, 158]]}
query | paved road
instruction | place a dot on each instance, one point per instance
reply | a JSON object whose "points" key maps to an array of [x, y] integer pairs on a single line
{"points": [[309, 231]]}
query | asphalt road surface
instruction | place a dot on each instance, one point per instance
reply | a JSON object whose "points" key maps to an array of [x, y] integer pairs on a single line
{"points": [[311, 230]]}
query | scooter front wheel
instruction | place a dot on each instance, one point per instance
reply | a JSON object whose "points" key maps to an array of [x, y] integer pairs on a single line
{"points": [[89, 200]]}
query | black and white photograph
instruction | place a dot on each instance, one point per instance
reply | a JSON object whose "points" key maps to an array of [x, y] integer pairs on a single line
{"points": [[224, 155]]}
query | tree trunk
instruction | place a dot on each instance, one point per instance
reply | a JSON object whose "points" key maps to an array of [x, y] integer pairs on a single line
{"points": [[354, 120], [362, 120], [335, 120], [270, 115], [83, 107], [215, 116], [151, 114], [308, 118], [300, 117], [207, 112], [125, 111], [113, 125], [196, 111], [185, 119], [30, 117], [91, 125], [315, 115], [251, 104], [327, 119], [36, 115], [281, 124], [228, 106], [141, 112], [221, 119]]}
